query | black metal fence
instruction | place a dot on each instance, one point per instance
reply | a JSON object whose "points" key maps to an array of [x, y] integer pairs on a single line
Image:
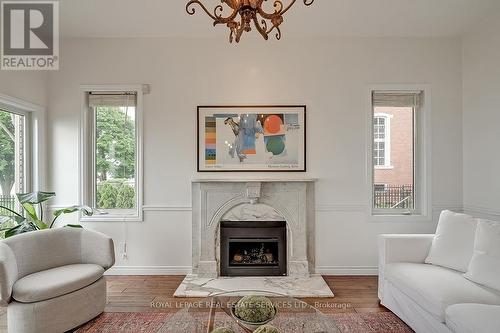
{"points": [[393, 196], [9, 202]]}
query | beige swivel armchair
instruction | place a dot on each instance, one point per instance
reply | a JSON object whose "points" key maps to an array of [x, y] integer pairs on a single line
{"points": [[52, 280]]}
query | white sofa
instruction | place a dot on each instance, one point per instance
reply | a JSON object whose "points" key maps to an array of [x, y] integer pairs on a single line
{"points": [[432, 298], [52, 280]]}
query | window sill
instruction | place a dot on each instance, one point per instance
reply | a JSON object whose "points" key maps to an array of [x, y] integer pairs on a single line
{"points": [[112, 218], [398, 218]]}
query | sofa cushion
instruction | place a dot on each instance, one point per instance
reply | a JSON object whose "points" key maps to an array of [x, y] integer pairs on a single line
{"points": [[473, 318], [435, 288], [55, 282], [453, 244], [484, 267]]}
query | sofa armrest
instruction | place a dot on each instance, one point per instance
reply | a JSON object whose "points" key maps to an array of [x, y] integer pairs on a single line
{"points": [[97, 248], [404, 248], [400, 248], [8, 273]]}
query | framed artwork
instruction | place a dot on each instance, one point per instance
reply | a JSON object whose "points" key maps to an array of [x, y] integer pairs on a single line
{"points": [[252, 138]]}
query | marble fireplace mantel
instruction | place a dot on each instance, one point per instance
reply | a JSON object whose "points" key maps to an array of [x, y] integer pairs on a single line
{"points": [[255, 180], [292, 198]]}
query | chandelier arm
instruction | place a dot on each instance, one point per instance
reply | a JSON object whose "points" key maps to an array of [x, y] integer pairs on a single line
{"points": [[278, 9], [223, 20], [191, 10], [240, 30], [278, 31], [306, 2], [261, 29], [231, 34]]}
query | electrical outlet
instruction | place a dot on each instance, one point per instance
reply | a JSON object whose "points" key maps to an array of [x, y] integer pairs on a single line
{"points": [[123, 249]]}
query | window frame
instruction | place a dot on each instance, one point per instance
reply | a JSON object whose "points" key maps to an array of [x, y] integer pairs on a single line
{"points": [[87, 156], [422, 157], [34, 114]]}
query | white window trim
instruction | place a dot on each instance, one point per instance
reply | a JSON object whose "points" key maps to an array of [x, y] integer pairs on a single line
{"points": [[387, 165], [85, 169], [423, 151], [35, 171]]}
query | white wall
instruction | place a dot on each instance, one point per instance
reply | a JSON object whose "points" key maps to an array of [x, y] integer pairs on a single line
{"points": [[481, 117], [330, 76], [30, 86]]}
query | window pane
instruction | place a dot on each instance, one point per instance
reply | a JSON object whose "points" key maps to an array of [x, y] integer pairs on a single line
{"points": [[394, 149], [115, 158], [12, 158]]}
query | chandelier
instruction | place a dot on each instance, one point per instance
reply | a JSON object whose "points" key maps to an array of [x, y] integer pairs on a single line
{"points": [[244, 13]]}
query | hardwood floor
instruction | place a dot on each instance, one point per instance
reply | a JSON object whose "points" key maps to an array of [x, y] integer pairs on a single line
{"points": [[137, 293]]}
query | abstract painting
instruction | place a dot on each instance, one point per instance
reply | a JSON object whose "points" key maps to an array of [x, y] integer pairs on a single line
{"points": [[251, 138]]}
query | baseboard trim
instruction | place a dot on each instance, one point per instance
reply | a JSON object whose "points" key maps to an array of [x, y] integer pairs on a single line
{"points": [[185, 270], [149, 270], [347, 270]]}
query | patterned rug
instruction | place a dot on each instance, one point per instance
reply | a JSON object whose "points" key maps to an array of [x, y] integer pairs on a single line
{"points": [[156, 322]]}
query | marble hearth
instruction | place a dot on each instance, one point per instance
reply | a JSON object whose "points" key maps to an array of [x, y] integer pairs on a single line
{"points": [[290, 200]]}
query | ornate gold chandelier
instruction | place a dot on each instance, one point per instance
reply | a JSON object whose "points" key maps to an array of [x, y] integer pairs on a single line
{"points": [[249, 11]]}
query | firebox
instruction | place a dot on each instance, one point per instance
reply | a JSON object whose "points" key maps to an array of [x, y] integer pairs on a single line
{"points": [[253, 248]]}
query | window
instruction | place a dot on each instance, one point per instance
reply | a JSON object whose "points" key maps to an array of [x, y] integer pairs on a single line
{"points": [[394, 149], [381, 140], [112, 161], [13, 157]]}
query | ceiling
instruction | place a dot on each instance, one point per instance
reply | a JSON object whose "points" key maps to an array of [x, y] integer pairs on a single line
{"points": [[363, 18]]}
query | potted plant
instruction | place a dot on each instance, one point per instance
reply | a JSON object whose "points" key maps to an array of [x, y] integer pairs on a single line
{"points": [[31, 218]]}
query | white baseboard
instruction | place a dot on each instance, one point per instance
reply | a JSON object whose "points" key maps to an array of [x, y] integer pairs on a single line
{"points": [[347, 270], [184, 270], [149, 270]]}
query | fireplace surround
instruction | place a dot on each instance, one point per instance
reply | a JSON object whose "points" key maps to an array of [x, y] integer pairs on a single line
{"points": [[258, 200], [288, 202]]}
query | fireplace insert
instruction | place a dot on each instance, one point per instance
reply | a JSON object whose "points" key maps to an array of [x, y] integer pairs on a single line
{"points": [[250, 248]]}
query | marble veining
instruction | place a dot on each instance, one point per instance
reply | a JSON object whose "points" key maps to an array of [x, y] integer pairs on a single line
{"points": [[253, 212], [313, 286]]}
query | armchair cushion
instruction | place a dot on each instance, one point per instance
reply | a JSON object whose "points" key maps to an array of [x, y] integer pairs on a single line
{"points": [[55, 282], [8, 273]]}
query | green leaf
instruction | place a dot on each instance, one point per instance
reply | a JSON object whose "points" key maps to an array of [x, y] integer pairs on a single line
{"points": [[10, 210], [35, 198], [20, 229], [86, 210], [40, 224], [77, 226], [7, 223], [31, 210]]}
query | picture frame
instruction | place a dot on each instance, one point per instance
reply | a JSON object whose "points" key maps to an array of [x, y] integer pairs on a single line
{"points": [[262, 138]]}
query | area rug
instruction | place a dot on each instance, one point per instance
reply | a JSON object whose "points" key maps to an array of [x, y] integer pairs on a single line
{"points": [[158, 322]]}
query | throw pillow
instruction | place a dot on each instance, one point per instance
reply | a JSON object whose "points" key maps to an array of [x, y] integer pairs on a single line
{"points": [[453, 244], [484, 267]]}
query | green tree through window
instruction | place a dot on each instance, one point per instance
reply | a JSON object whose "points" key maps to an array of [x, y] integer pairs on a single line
{"points": [[7, 152], [115, 157]]}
